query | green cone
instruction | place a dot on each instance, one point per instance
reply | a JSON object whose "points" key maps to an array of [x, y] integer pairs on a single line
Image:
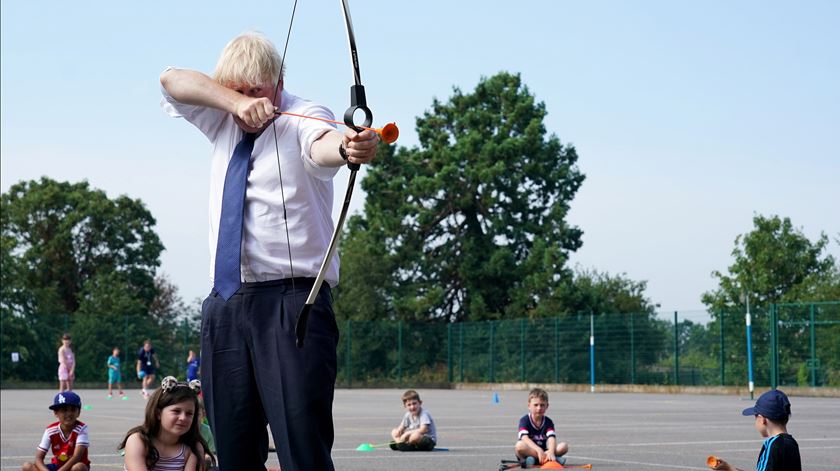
{"points": [[365, 447]]}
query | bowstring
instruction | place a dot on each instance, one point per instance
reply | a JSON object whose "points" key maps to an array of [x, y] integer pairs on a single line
{"points": [[277, 148]]}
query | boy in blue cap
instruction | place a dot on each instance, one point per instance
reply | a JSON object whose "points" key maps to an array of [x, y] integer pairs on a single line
{"points": [[780, 452], [67, 438]]}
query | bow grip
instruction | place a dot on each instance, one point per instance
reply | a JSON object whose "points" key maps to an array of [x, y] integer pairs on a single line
{"points": [[357, 102]]}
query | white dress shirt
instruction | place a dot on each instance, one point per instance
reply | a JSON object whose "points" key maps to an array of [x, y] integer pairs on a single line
{"points": [[308, 189]]}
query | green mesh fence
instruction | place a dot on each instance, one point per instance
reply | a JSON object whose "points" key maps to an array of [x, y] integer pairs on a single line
{"points": [[35, 341], [805, 348], [792, 344]]}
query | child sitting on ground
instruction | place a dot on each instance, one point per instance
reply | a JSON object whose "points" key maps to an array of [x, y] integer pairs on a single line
{"points": [[537, 443], [170, 437], [780, 452], [70, 453], [207, 435], [417, 430]]}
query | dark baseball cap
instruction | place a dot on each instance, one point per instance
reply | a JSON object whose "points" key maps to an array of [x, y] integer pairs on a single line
{"points": [[774, 405], [66, 398]]}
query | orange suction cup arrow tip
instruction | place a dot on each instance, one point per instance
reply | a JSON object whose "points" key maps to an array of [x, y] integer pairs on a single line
{"points": [[712, 461], [389, 133]]}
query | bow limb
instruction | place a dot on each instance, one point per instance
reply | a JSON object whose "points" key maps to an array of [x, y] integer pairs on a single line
{"points": [[358, 102]]}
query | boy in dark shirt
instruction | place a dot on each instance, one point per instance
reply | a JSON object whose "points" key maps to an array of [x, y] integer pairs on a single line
{"points": [[537, 442], [780, 452]]}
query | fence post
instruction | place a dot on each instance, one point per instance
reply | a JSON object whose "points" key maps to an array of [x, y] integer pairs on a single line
{"points": [[186, 339], [349, 345], [722, 356], [399, 351], [521, 349], [591, 352], [750, 383], [632, 349], [676, 349], [461, 351], [773, 345], [449, 352], [813, 348], [124, 364], [556, 350], [492, 364]]}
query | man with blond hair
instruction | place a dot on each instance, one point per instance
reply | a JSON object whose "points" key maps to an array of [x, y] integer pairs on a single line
{"points": [[252, 371]]}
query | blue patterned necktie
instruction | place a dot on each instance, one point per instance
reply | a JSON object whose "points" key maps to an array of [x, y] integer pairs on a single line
{"points": [[226, 279]]}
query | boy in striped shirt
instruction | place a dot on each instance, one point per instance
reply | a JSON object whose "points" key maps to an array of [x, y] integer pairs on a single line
{"points": [[779, 452], [537, 442]]}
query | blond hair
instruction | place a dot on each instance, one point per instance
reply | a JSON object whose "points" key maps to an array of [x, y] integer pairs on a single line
{"points": [[539, 394], [249, 58]]}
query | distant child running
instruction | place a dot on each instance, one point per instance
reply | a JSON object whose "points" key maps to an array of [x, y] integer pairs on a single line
{"points": [[417, 430], [780, 452], [67, 438], [114, 375], [537, 442], [193, 364], [66, 365], [170, 437]]}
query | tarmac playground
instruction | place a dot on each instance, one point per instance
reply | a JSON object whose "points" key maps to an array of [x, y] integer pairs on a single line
{"points": [[611, 431]]}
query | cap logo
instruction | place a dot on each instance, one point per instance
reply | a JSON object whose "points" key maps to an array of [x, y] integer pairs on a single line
{"points": [[61, 399]]}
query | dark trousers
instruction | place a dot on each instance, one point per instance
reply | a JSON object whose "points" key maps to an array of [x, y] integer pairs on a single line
{"points": [[253, 374]]}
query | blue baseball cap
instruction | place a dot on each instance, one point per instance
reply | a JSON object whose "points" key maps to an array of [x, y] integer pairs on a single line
{"points": [[774, 405], [66, 398]]}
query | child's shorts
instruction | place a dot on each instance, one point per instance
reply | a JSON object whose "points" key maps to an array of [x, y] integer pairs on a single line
{"points": [[426, 444], [54, 467], [114, 377]]}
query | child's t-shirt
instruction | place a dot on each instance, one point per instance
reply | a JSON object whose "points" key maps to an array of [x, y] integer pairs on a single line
{"points": [[779, 452], [192, 369], [423, 418], [145, 358], [207, 435], [537, 433], [114, 361], [64, 447]]}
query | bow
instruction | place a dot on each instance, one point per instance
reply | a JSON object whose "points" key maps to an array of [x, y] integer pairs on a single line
{"points": [[358, 102]]}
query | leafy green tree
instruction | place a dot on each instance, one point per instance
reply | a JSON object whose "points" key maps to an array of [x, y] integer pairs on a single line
{"points": [[71, 258], [601, 293], [622, 315], [773, 263], [471, 224], [776, 263]]}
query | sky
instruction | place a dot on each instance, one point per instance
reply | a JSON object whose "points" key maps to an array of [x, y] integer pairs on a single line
{"points": [[689, 118]]}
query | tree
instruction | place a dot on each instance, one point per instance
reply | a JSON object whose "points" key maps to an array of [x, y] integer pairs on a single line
{"points": [[775, 262], [471, 224], [602, 293], [622, 315], [72, 254]]}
